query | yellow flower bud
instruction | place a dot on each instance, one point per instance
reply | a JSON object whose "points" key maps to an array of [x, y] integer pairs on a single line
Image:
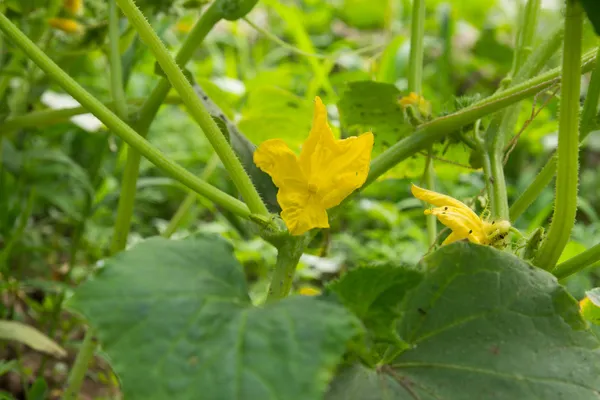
{"points": [[309, 291], [74, 7], [65, 25]]}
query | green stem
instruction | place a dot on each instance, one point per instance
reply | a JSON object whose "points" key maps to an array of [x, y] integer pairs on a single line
{"points": [[147, 114], [526, 35], [80, 367], [288, 256], [417, 32], [116, 70], [504, 123], [565, 204], [533, 190], [190, 199], [195, 107], [577, 263], [545, 176], [49, 117], [430, 132], [429, 181], [118, 126]]}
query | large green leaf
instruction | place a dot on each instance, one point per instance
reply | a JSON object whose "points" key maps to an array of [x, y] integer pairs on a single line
{"points": [[176, 321], [374, 295], [484, 325]]}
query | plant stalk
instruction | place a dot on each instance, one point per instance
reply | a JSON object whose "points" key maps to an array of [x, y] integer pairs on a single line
{"points": [[565, 204], [80, 367], [195, 107], [147, 114], [577, 263], [119, 127], [288, 256], [432, 131]]}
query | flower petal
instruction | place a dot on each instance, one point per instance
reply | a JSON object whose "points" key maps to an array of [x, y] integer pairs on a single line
{"points": [[301, 209], [441, 200], [460, 223], [320, 132], [276, 159], [341, 168], [452, 237]]}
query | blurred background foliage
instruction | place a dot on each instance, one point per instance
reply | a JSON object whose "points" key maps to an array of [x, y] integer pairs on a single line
{"points": [[60, 181]]}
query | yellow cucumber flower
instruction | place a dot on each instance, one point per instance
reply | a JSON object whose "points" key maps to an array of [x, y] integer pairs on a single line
{"points": [[418, 102], [324, 174], [459, 217], [73, 6], [65, 25]]}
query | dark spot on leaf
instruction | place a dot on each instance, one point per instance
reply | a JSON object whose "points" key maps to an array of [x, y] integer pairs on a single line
{"points": [[421, 311], [292, 104]]}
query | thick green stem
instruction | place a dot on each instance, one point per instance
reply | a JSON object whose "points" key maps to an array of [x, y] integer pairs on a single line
{"points": [[577, 263], [543, 179], [417, 32], [195, 107], [565, 204], [190, 199], [77, 374], [430, 132], [119, 127], [504, 123], [147, 114], [288, 256]]}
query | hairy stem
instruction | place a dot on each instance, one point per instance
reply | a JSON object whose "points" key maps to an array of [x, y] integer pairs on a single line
{"points": [[436, 129], [148, 113], [288, 256], [565, 204], [195, 107], [119, 127], [543, 179], [577, 263]]}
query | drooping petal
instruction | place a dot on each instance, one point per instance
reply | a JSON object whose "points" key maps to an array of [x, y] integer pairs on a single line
{"points": [[341, 168], [441, 200], [301, 209], [320, 132], [452, 237], [276, 159], [461, 224]]}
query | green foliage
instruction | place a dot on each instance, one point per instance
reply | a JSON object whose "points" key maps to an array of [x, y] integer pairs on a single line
{"points": [[484, 317], [593, 13], [175, 319], [374, 295]]}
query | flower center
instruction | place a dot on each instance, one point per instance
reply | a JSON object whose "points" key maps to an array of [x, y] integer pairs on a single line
{"points": [[312, 188]]}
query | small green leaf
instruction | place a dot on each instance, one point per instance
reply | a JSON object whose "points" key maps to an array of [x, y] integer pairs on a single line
{"points": [[373, 106], [12, 330], [374, 295], [486, 318], [272, 113], [593, 12], [176, 321]]}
